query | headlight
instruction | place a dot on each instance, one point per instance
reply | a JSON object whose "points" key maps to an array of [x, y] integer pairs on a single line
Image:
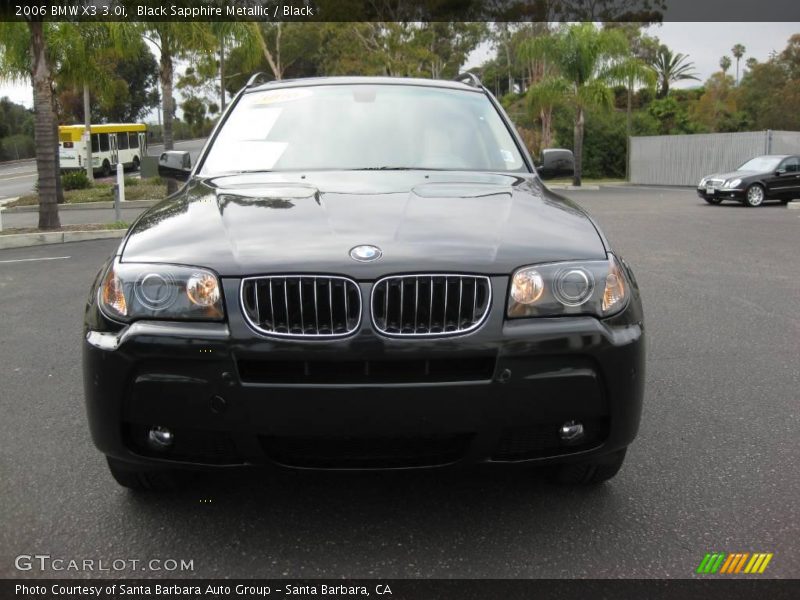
{"points": [[732, 183], [702, 182], [569, 288], [153, 291]]}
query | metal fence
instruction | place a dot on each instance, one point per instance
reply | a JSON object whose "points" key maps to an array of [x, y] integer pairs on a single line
{"points": [[685, 159]]}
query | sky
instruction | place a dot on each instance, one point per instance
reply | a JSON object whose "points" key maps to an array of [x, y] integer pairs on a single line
{"points": [[705, 43]]}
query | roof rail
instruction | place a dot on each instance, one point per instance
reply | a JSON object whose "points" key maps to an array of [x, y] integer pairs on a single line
{"points": [[470, 79], [254, 79]]}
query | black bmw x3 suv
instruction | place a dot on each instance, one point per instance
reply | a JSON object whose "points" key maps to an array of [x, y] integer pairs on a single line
{"points": [[363, 273]]}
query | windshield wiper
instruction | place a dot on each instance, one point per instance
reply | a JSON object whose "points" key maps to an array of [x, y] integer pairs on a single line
{"points": [[387, 168]]}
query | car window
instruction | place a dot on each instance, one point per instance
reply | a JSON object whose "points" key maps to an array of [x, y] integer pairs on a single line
{"points": [[761, 163], [363, 127], [791, 165]]}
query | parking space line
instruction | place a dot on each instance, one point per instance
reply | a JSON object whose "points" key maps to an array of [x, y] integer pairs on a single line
{"points": [[35, 259]]}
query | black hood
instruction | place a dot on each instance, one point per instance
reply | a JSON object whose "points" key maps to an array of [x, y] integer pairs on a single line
{"points": [[732, 175], [307, 223]]}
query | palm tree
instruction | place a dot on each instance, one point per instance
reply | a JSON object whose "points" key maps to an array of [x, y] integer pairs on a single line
{"points": [[78, 46], [738, 52], [631, 72], [225, 33], [671, 68], [725, 64], [173, 40], [551, 89], [542, 98], [585, 57], [24, 55]]}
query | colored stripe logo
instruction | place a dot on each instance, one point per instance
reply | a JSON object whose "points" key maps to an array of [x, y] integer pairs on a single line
{"points": [[734, 563]]}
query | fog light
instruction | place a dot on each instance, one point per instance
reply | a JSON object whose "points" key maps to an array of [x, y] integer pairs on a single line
{"points": [[571, 432], [160, 438]]}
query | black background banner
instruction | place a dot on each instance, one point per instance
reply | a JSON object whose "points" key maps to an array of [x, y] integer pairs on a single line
{"points": [[713, 588], [403, 10]]}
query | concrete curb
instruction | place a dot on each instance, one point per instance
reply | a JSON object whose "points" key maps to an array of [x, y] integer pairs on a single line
{"points": [[575, 188], [22, 240], [793, 204], [17, 161], [85, 206]]}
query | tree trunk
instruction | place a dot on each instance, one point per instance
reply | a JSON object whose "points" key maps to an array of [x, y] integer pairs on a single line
{"points": [[45, 131], [578, 146], [167, 100], [278, 51], [547, 127], [508, 62], [274, 67], [222, 75], [87, 120], [168, 103], [628, 128]]}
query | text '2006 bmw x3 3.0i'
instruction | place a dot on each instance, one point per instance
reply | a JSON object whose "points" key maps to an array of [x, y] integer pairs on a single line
{"points": [[363, 273]]}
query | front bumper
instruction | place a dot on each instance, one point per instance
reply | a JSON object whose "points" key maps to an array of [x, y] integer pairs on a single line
{"points": [[721, 194], [233, 397]]}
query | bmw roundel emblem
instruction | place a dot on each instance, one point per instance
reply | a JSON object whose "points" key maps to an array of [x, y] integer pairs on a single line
{"points": [[365, 253]]}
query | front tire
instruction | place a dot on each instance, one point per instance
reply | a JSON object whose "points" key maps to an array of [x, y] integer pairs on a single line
{"points": [[755, 195], [136, 164], [590, 472], [106, 170], [143, 480]]}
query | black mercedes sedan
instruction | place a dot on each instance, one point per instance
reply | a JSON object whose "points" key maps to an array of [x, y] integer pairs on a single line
{"points": [[770, 177], [363, 273]]}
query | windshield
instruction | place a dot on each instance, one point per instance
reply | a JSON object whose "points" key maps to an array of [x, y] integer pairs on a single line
{"points": [[363, 127], [761, 163]]}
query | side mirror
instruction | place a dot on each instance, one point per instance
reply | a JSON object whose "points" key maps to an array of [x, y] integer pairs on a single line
{"points": [[780, 172], [175, 164], [556, 162]]}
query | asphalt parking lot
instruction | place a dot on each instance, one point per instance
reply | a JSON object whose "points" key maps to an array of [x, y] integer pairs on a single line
{"points": [[715, 466]]}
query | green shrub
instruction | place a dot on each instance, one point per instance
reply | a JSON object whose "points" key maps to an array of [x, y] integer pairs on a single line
{"points": [[604, 141], [16, 147], [74, 180], [131, 181]]}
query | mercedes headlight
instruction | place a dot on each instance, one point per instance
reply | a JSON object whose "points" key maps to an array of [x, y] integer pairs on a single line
{"points": [[597, 287], [131, 291], [702, 182], [732, 183]]}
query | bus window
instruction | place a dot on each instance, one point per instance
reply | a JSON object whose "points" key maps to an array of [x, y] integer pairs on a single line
{"points": [[122, 141], [103, 142], [95, 143], [134, 140]]}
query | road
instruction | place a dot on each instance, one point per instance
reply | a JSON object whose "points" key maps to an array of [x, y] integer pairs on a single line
{"points": [[715, 467], [18, 178]]}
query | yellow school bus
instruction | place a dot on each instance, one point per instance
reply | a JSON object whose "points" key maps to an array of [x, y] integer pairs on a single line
{"points": [[112, 143]]}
